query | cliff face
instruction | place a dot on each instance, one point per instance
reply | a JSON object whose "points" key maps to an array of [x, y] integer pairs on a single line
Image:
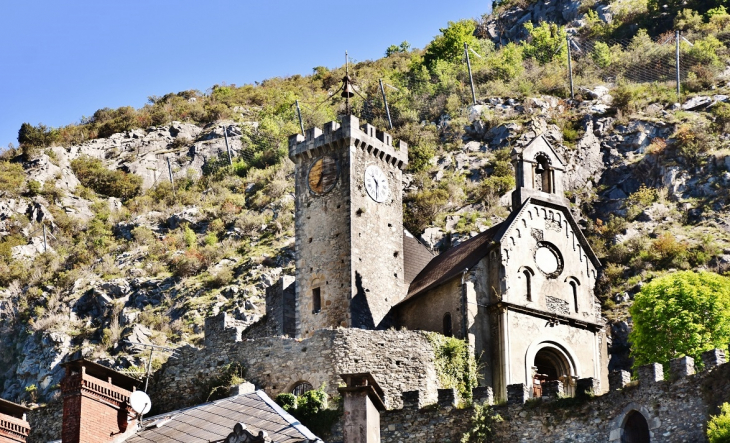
{"points": [[649, 187]]}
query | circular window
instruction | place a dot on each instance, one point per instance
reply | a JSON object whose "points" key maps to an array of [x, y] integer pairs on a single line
{"points": [[548, 259]]}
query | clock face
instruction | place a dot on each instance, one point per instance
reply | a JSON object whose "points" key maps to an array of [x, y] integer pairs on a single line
{"points": [[323, 174], [376, 184]]}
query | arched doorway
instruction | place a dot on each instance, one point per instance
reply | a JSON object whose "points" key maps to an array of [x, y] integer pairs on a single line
{"points": [[636, 429], [551, 364]]}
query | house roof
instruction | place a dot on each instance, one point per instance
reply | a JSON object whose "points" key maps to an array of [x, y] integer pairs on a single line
{"points": [[453, 262], [415, 256], [214, 421], [12, 409], [103, 373]]}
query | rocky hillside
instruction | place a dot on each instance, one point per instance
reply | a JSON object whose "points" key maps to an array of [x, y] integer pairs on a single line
{"points": [[131, 255]]}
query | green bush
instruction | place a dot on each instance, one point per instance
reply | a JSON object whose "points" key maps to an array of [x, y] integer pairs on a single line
{"points": [[547, 42], [92, 174], [506, 63], [683, 313], [482, 425], [287, 401], [718, 428], [12, 178], [449, 46]]}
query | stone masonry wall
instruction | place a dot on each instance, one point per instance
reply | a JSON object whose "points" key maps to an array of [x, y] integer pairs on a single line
{"points": [[676, 411], [399, 361]]}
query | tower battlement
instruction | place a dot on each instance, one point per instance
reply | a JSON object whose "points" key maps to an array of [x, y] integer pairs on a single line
{"points": [[316, 141]]}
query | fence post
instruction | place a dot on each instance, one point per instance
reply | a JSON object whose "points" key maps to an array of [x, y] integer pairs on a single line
{"points": [[471, 80], [570, 69], [299, 114], [172, 182], [228, 148], [679, 80], [385, 101]]}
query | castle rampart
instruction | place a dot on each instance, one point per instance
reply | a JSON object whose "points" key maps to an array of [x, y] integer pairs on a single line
{"points": [[400, 360]]}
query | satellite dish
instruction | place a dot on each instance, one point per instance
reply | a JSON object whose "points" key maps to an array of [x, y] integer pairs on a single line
{"points": [[140, 402]]}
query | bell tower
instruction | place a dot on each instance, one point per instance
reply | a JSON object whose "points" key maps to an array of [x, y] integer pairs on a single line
{"points": [[348, 226], [539, 173]]}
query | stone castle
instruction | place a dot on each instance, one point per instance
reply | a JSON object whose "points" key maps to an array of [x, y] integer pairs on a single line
{"points": [[520, 293]]}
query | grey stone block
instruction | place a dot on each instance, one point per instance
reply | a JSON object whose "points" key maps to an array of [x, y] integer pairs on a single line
{"points": [[681, 367], [517, 394], [714, 358], [483, 394], [411, 399], [446, 397], [650, 374], [618, 379], [553, 389], [587, 386]]}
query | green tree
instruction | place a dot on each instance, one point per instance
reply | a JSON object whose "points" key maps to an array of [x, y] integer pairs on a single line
{"points": [[449, 46], [482, 425], [546, 42], [718, 428], [506, 64], [683, 313]]}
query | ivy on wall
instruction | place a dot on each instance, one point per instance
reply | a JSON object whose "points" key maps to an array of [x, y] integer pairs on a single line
{"points": [[455, 364]]}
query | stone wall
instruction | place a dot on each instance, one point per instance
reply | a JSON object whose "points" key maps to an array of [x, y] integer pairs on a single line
{"points": [[676, 411], [399, 361]]}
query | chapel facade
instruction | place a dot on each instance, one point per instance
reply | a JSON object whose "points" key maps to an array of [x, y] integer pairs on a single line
{"points": [[520, 292]]}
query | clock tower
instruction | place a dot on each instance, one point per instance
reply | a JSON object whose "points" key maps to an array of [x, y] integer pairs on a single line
{"points": [[348, 226]]}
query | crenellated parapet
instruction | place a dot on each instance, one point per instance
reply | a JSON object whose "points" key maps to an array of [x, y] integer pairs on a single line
{"points": [[317, 142], [674, 407]]}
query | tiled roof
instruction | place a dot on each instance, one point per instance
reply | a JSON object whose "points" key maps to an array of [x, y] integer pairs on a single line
{"points": [[214, 421], [415, 256], [453, 262]]}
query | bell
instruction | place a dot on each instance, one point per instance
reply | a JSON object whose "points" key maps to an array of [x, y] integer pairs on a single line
{"points": [[347, 89], [539, 169]]}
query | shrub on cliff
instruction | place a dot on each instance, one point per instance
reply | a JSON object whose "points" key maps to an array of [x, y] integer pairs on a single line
{"points": [[92, 174], [683, 313]]}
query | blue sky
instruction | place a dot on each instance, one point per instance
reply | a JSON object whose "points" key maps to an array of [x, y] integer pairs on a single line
{"points": [[61, 60]]}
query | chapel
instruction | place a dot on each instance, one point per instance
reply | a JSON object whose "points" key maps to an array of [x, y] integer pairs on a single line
{"points": [[521, 292]]}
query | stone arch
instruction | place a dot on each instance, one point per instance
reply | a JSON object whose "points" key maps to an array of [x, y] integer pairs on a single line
{"points": [[573, 283], [557, 349], [617, 426]]}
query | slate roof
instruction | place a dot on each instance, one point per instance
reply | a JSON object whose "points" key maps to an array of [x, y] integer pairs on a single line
{"points": [[454, 261], [214, 421], [415, 256]]}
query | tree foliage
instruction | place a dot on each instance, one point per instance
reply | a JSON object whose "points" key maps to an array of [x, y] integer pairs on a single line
{"points": [[455, 364], [547, 42], [449, 46], [683, 313], [718, 428]]}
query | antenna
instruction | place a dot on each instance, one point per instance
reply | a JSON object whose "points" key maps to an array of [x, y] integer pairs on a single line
{"points": [[149, 361], [347, 86]]}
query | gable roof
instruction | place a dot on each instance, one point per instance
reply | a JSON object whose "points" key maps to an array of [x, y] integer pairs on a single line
{"points": [[451, 263], [454, 261], [214, 421], [532, 148], [415, 256], [568, 216]]}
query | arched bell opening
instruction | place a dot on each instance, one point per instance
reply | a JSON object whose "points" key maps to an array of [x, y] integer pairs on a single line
{"points": [[543, 174], [635, 429]]}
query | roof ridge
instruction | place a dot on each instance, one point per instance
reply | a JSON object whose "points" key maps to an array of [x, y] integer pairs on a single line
{"points": [[296, 424]]}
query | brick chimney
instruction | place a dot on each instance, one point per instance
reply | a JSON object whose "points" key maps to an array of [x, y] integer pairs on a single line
{"points": [[96, 404], [363, 403], [13, 426]]}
